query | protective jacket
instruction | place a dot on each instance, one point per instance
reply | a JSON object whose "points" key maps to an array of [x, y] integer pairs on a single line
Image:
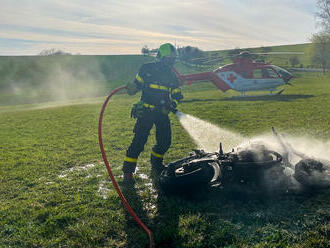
{"points": [[160, 89], [159, 85]]}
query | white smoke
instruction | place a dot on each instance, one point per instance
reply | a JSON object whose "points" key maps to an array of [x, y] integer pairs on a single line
{"points": [[308, 146], [56, 79], [208, 137]]}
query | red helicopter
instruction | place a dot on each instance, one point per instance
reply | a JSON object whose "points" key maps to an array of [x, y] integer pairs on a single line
{"points": [[244, 75]]}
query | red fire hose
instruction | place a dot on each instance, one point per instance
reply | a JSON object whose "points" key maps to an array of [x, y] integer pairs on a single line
{"points": [[113, 180]]}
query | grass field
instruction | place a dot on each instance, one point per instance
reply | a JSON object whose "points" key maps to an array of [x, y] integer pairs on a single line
{"points": [[55, 191]]}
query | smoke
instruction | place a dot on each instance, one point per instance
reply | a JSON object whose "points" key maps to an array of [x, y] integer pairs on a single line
{"points": [[53, 78], [64, 84], [208, 136], [308, 146]]}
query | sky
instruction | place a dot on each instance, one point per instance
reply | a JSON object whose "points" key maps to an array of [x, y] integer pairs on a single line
{"points": [[124, 26]]}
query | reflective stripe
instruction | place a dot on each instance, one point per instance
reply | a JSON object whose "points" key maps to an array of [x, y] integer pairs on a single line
{"points": [[148, 105], [157, 154], [130, 160], [159, 87], [177, 90], [139, 79]]}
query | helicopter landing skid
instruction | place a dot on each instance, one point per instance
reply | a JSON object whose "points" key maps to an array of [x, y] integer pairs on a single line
{"points": [[280, 92]]}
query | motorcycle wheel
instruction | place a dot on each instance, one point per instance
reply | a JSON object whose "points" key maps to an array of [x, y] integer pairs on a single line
{"points": [[186, 177]]}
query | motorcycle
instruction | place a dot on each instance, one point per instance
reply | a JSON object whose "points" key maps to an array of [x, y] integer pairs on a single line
{"points": [[256, 168]]}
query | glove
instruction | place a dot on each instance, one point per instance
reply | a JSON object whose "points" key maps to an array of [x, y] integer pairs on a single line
{"points": [[173, 106], [137, 110], [131, 88], [169, 107], [179, 97]]}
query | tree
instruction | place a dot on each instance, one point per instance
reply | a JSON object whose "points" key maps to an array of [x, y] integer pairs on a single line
{"points": [[235, 51], [321, 50], [52, 51], [154, 51], [323, 14], [188, 53], [294, 61], [145, 50]]}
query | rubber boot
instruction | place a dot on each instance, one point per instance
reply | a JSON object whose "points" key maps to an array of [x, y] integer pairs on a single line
{"points": [[128, 180], [156, 165]]}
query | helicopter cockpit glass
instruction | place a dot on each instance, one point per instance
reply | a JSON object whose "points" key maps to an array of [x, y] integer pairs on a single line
{"points": [[269, 73], [265, 73], [283, 73]]}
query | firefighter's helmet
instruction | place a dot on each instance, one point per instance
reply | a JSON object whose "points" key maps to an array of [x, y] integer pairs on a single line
{"points": [[166, 50]]}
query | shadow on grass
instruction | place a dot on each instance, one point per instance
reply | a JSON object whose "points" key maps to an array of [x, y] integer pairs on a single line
{"points": [[164, 225], [219, 218], [166, 221], [280, 98], [136, 236]]}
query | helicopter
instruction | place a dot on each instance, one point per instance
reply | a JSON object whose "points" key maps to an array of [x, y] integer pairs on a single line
{"points": [[244, 75]]}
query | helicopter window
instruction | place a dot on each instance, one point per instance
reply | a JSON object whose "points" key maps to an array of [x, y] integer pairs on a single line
{"points": [[257, 73], [269, 73]]}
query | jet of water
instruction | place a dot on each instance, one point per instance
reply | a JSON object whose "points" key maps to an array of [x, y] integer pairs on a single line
{"points": [[208, 136]]}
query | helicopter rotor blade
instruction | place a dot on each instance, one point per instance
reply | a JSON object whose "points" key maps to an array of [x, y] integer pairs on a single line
{"points": [[279, 53], [214, 60], [209, 60]]}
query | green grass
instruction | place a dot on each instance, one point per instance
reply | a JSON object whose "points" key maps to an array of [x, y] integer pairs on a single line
{"points": [[48, 199]]}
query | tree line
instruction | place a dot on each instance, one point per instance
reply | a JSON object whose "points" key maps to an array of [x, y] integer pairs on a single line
{"points": [[185, 53], [321, 40]]}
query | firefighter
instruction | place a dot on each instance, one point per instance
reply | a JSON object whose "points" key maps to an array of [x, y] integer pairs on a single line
{"points": [[160, 95]]}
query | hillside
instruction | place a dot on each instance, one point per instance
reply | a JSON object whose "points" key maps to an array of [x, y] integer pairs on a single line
{"points": [[33, 79], [30, 79]]}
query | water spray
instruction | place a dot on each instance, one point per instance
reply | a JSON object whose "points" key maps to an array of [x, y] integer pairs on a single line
{"points": [[113, 180], [207, 135], [293, 151]]}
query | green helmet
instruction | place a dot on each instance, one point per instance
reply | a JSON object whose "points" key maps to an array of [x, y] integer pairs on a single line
{"points": [[166, 50]]}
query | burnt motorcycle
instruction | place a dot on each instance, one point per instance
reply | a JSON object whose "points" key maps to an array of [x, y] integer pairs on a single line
{"points": [[256, 168]]}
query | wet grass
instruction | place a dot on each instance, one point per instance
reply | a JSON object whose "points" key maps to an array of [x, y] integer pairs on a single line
{"points": [[40, 207]]}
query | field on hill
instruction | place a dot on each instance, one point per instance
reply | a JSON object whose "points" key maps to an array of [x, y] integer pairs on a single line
{"points": [[55, 191], [34, 79]]}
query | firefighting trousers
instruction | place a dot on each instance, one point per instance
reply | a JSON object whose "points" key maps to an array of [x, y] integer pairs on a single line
{"points": [[142, 129]]}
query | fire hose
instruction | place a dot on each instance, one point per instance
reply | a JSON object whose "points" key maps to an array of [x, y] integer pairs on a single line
{"points": [[113, 180]]}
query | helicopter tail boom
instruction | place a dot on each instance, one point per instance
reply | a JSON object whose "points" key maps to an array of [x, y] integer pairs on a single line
{"points": [[203, 76]]}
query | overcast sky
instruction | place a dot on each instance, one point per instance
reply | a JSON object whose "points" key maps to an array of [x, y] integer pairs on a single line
{"points": [[123, 27]]}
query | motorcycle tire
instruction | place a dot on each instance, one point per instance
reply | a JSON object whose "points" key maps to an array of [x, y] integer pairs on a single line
{"points": [[183, 178]]}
